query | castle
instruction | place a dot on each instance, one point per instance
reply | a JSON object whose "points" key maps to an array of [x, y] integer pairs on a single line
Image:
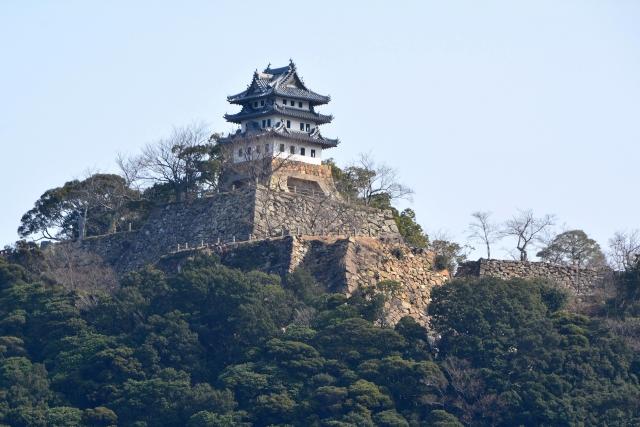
{"points": [[278, 208]]}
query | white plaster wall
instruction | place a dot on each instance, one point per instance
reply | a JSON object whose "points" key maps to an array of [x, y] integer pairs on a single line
{"points": [[273, 150]]}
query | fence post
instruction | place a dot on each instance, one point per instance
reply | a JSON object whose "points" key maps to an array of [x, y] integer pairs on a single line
{"points": [[178, 248], [129, 226], [234, 239], [186, 245], [218, 241], [202, 243]]}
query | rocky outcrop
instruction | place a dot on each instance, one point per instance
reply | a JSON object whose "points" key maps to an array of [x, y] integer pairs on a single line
{"points": [[579, 281]]}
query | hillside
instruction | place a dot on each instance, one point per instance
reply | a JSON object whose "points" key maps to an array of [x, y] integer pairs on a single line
{"points": [[215, 346]]}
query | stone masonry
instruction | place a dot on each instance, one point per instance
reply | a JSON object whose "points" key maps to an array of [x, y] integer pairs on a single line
{"points": [[341, 265], [579, 281], [250, 213]]}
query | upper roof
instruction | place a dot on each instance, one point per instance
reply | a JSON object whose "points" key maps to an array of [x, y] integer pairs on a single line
{"points": [[281, 81]]}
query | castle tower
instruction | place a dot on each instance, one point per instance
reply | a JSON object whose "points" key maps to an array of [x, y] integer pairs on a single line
{"points": [[278, 142]]}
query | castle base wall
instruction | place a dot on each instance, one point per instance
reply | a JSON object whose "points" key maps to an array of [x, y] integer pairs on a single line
{"points": [[578, 281]]}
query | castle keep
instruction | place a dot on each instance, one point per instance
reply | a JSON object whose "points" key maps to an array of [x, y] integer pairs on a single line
{"points": [[278, 142]]}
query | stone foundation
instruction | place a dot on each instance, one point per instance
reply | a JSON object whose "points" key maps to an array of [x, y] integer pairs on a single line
{"points": [[579, 281], [251, 213], [341, 265]]}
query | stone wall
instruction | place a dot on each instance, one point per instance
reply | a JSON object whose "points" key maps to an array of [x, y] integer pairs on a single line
{"points": [[347, 264], [277, 212], [245, 214], [576, 280], [341, 265]]}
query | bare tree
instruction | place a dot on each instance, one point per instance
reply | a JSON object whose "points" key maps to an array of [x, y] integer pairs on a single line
{"points": [[624, 249], [527, 229], [373, 180], [182, 161], [482, 230]]}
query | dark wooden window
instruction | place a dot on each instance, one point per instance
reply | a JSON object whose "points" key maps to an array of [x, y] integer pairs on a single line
{"points": [[301, 126], [288, 123], [282, 148], [264, 123], [268, 123], [302, 151], [292, 149], [292, 102], [313, 153], [308, 127], [300, 104]]}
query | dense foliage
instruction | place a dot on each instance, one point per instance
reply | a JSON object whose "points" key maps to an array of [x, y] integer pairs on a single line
{"points": [[212, 346]]}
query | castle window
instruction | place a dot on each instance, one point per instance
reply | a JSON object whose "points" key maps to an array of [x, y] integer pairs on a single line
{"points": [[268, 123], [292, 102], [308, 126], [299, 104], [282, 148], [264, 123], [292, 149], [302, 151], [313, 153], [255, 104], [248, 151], [301, 126], [266, 148], [262, 103], [240, 152], [289, 124], [284, 102]]}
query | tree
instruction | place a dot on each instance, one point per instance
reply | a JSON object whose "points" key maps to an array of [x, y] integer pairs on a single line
{"points": [[573, 248], [188, 161], [448, 255], [409, 229], [527, 229], [371, 181], [483, 230], [624, 249], [95, 205]]}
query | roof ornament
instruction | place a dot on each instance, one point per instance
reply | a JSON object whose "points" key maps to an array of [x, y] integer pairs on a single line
{"points": [[292, 66]]}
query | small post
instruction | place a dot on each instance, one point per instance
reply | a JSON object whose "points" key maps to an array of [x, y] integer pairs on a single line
{"points": [[234, 239], [129, 226], [298, 230], [250, 236], [186, 245], [202, 243], [282, 232], [178, 247], [218, 241]]}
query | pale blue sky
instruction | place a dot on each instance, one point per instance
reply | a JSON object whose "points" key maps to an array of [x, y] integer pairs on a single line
{"points": [[493, 105]]}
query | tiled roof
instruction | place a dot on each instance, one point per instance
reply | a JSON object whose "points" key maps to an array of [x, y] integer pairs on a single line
{"points": [[281, 131], [248, 112], [283, 81]]}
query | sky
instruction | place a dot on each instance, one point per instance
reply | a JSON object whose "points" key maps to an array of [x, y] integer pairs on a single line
{"points": [[494, 105]]}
